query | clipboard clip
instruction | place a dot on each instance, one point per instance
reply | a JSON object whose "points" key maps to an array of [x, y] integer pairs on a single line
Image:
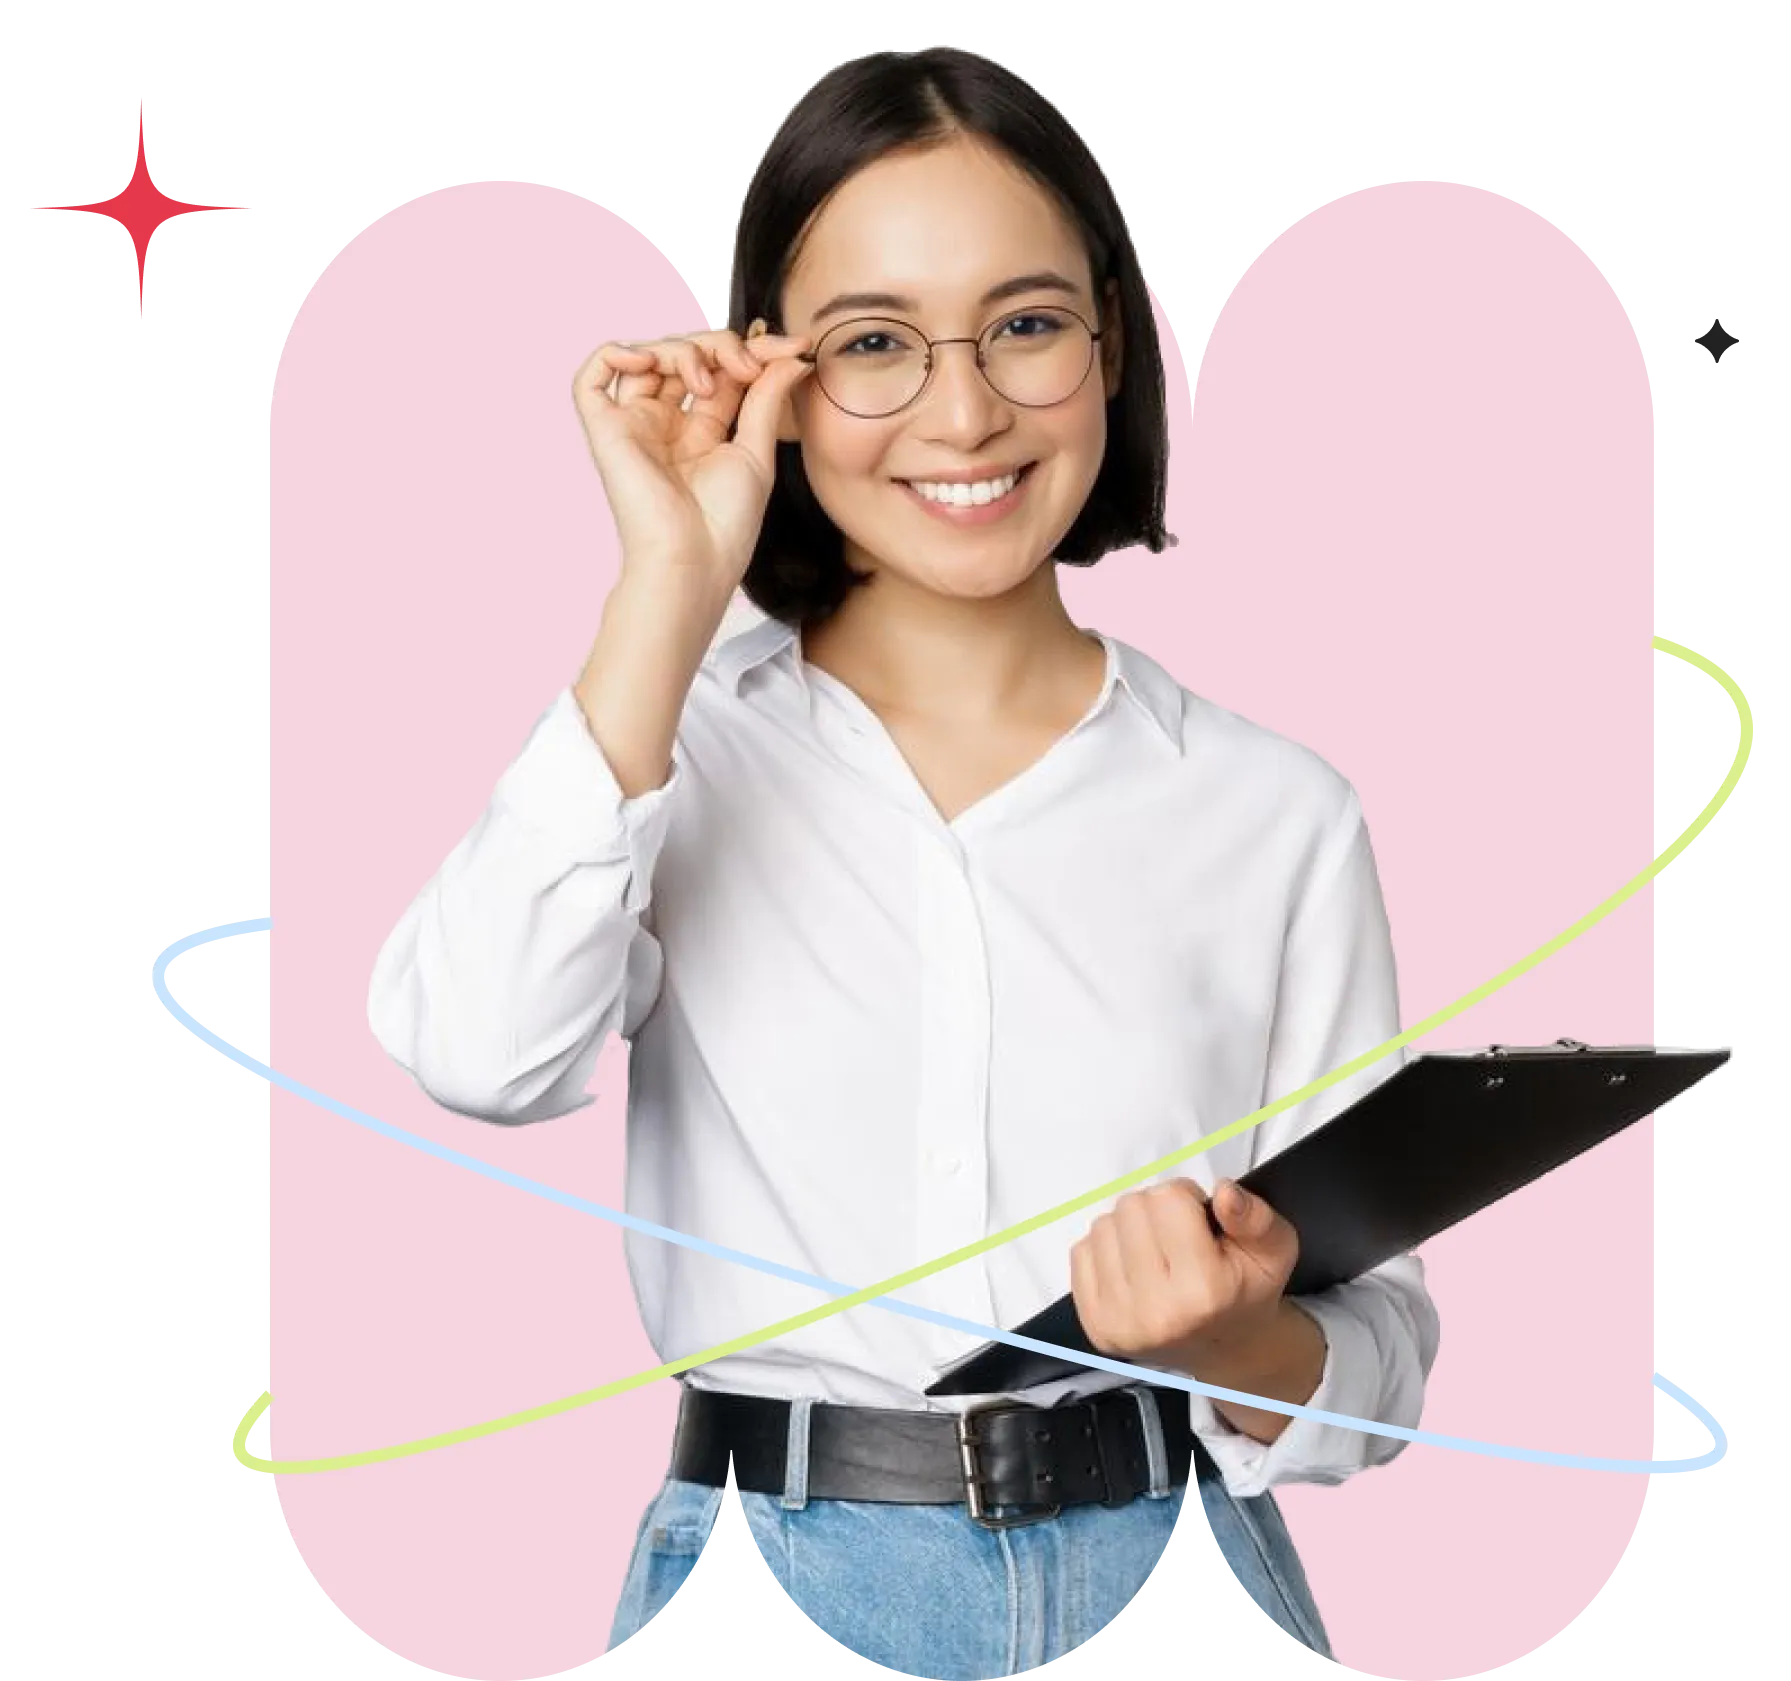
{"points": [[1561, 1047]]}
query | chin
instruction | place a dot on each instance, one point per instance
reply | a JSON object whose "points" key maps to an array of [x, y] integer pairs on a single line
{"points": [[977, 581]]}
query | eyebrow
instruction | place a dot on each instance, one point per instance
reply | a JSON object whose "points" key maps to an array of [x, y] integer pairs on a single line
{"points": [[1046, 280]]}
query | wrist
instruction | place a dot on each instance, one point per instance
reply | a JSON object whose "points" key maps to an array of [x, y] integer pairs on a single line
{"points": [[674, 605], [1286, 1362], [1276, 1348]]}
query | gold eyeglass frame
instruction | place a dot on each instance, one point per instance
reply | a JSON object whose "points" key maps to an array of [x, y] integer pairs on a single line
{"points": [[1094, 339]]}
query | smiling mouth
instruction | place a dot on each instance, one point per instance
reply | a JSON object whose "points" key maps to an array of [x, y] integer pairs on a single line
{"points": [[943, 495]]}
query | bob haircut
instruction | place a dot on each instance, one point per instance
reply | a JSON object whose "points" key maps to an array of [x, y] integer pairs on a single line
{"points": [[888, 102]]}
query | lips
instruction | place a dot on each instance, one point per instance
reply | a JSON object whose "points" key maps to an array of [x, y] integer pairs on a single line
{"points": [[980, 478], [970, 513]]}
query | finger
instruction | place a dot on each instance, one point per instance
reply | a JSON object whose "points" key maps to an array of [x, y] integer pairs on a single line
{"points": [[648, 370], [603, 367], [693, 368], [1107, 1269], [766, 346], [711, 415], [615, 353], [645, 380], [667, 380], [1230, 1204], [719, 350], [1246, 1219], [1146, 1266], [1121, 1293], [1085, 1289], [707, 420], [756, 429], [1197, 1191], [723, 350], [727, 358], [638, 369], [1183, 1234], [740, 361], [629, 390]]}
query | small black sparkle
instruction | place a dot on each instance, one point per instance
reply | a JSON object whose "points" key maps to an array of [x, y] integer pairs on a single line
{"points": [[1716, 341]]}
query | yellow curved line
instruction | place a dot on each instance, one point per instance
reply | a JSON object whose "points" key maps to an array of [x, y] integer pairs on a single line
{"points": [[839, 1304]]}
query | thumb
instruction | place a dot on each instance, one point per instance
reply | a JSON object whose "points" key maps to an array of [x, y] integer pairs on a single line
{"points": [[1246, 1218], [755, 429]]}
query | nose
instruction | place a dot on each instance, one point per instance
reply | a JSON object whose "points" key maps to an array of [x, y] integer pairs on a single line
{"points": [[959, 406]]}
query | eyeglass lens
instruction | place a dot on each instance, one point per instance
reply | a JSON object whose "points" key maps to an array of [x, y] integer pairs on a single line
{"points": [[873, 367]]}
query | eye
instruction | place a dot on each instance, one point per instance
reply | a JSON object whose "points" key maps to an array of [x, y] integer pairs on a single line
{"points": [[866, 344], [1034, 324]]}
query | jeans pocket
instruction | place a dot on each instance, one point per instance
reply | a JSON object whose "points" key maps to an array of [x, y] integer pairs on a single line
{"points": [[671, 1536]]}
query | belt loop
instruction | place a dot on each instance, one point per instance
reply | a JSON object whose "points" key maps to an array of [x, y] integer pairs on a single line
{"points": [[1156, 1456], [795, 1495], [679, 1423]]}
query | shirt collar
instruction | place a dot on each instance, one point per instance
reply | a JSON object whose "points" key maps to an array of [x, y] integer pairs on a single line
{"points": [[1150, 687]]}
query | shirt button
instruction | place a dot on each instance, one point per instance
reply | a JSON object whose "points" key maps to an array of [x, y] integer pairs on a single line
{"points": [[945, 1163]]}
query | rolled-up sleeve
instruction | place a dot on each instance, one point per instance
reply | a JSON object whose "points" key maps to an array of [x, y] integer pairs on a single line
{"points": [[1337, 997], [531, 943]]}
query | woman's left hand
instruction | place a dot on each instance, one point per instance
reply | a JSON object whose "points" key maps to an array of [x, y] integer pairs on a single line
{"points": [[1153, 1284]]}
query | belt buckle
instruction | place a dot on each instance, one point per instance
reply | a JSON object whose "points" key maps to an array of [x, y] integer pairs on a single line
{"points": [[968, 1443]]}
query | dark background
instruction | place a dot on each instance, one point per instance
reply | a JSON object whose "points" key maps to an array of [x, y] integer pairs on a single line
{"points": [[144, 464]]}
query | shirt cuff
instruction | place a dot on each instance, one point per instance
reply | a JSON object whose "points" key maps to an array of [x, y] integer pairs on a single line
{"points": [[561, 787], [1307, 1450]]}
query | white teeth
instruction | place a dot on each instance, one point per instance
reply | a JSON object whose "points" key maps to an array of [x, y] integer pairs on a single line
{"points": [[967, 495]]}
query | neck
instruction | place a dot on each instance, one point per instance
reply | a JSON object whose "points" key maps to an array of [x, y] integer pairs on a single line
{"points": [[954, 659]]}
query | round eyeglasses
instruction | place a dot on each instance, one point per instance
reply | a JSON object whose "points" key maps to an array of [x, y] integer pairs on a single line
{"points": [[872, 368]]}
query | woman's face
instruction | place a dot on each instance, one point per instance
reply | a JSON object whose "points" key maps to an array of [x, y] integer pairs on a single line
{"points": [[939, 230]]}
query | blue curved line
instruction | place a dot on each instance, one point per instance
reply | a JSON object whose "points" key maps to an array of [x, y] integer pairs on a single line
{"points": [[986, 1333]]}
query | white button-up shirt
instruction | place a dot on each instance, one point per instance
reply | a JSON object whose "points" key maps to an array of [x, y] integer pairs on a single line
{"points": [[862, 1036]]}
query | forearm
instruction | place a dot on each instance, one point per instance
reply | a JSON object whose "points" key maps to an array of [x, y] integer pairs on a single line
{"points": [[650, 644], [1285, 1361]]}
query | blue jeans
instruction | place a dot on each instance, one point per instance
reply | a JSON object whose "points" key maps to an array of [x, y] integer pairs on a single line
{"points": [[925, 1590]]}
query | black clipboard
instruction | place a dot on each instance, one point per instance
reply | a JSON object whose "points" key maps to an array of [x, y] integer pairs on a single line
{"points": [[1441, 1138]]}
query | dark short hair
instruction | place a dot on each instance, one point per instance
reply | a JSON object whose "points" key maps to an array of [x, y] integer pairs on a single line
{"points": [[860, 112]]}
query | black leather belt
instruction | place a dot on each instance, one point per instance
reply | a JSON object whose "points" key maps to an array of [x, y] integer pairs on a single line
{"points": [[1005, 1455]]}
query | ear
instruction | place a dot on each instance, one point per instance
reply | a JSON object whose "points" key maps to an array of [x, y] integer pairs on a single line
{"points": [[787, 431], [1113, 343]]}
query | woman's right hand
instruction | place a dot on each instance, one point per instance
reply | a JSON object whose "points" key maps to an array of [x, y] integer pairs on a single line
{"points": [[685, 495]]}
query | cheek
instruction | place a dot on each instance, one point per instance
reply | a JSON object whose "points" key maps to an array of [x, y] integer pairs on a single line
{"points": [[1091, 422], [837, 451], [1080, 437]]}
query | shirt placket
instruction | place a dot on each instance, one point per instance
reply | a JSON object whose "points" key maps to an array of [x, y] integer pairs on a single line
{"points": [[951, 1126], [951, 1163]]}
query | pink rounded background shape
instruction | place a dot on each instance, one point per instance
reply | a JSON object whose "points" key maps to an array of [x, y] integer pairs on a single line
{"points": [[1414, 499]]}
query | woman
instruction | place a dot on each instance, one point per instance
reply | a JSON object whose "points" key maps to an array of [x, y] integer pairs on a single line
{"points": [[924, 909]]}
